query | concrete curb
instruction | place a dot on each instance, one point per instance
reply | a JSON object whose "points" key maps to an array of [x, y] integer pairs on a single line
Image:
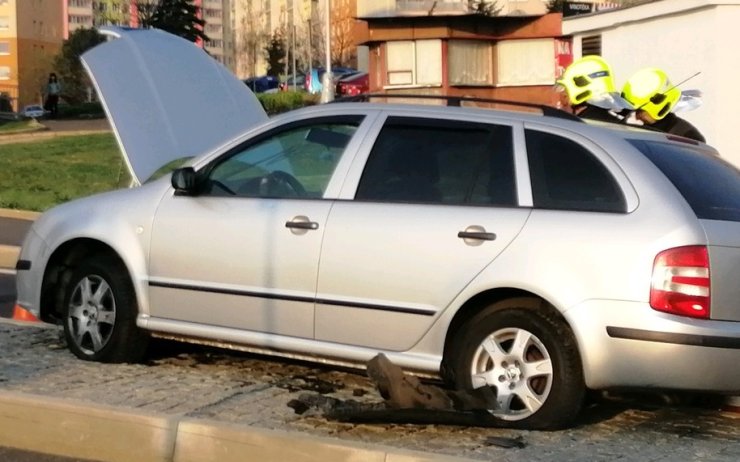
{"points": [[19, 214], [8, 256], [85, 430], [9, 253]]}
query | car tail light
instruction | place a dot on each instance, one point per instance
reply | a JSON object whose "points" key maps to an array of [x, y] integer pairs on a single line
{"points": [[680, 283]]}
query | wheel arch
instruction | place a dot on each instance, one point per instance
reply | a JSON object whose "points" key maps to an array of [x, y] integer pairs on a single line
{"points": [[59, 267], [480, 301]]}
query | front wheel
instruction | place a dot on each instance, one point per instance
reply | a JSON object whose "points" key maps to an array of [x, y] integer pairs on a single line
{"points": [[528, 355], [100, 313]]}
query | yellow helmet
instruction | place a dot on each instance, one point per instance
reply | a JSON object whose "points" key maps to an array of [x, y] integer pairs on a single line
{"points": [[650, 90], [587, 77]]}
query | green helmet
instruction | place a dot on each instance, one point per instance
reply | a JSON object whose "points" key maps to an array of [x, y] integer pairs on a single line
{"points": [[650, 90], [586, 78]]}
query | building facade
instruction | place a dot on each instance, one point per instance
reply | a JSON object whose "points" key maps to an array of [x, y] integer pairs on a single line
{"points": [[254, 22], [503, 57], [79, 14], [31, 34], [683, 37]]}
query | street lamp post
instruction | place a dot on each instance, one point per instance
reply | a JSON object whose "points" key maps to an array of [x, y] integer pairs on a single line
{"points": [[327, 89]]}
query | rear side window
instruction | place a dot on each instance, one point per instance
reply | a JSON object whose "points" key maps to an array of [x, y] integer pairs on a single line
{"points": [[709, 184], [567, 176], [440, 162]]}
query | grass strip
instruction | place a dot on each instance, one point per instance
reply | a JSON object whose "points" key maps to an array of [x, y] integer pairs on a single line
{"points": [[40, 174]]}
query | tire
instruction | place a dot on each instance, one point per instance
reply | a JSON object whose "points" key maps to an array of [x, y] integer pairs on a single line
{"points": [[99, 313], [528, 354]]}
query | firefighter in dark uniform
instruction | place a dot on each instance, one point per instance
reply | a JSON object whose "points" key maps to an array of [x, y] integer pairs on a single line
{"points": [[654, 99]]}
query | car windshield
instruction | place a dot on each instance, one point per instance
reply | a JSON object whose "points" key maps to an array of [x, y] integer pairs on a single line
{"points": [[710, 184]]}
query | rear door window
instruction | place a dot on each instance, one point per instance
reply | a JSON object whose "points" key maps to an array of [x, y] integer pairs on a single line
{"points": [[567, 176], [440, 162], [710, 185]]}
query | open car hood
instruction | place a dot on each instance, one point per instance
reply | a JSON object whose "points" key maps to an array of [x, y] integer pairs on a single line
{"points": [[166, 98]]}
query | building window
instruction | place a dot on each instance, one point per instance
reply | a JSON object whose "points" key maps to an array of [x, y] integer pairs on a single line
{"points": [[3, 2], [414, 62], [525, 62], [470, 62], [4, 22], [4, 48], [591, 45], [4, 73]]}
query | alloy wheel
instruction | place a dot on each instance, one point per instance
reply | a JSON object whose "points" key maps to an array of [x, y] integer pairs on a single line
{"points": [[516, 363], [92, 314]]}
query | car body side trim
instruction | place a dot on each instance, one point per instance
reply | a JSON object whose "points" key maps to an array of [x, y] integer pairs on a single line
{"points": [[292, 298], [369, 306], [710, 341]]}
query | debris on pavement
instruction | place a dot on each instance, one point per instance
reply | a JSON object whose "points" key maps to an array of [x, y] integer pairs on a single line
{"points": [[407, 401]]}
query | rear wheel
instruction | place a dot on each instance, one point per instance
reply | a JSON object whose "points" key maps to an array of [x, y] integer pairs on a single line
{"points": [[100, 313], [528, 355]]}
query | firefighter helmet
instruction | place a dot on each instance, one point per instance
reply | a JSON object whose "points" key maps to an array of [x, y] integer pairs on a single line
{"points": [[650, 90], [587, 78]]}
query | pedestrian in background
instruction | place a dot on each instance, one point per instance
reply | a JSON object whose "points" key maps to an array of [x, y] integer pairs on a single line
{"points": [[53, 90]]}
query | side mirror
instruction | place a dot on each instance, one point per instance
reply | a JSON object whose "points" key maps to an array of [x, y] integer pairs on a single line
{"points": [[184, 180]]}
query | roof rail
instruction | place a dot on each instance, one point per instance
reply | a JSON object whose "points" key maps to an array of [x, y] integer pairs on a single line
{"points": [[457, 100]]}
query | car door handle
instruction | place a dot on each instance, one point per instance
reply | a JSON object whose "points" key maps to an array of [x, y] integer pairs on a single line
{"points": [[480, 235], [301, 225]]}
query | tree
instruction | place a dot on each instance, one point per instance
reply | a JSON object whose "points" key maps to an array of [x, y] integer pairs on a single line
{"points": [[68, 67], [343, 48], [484, 7], [250, 41], [178, 17], [275, 53]]}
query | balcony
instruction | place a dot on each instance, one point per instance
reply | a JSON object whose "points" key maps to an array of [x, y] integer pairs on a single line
{"points": [[392, 8]]}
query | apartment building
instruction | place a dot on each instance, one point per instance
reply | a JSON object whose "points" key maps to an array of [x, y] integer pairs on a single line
{"points": [[301, 23], [79, 14], [31, 35], [93, 13], [217, 14], [255, 21]]}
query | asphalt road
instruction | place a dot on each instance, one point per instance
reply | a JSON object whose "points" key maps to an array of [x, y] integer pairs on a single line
{"points": [[7, 296]]}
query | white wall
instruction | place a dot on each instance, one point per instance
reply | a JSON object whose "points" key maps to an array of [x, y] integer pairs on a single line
{"points": [[682, 37]]}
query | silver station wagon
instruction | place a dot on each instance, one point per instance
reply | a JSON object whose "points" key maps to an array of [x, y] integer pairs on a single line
{"points": [[538, 255]]}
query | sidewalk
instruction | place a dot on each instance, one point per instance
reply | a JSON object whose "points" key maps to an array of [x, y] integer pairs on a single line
{"points": [[189, 403], [165, 410]]}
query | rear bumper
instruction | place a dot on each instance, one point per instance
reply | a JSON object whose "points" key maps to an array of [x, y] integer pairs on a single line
{"points": [[627, 344]]}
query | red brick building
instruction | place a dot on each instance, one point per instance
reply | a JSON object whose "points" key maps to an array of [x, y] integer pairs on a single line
{"points": [[505, 57]]}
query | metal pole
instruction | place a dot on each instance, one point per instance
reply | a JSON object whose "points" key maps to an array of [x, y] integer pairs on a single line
{"points": [[327, 89], [294, 58], [292, 45], [310, 47]]}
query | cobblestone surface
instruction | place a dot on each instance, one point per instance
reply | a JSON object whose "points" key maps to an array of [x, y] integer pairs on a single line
{"points": [[247, 389]]}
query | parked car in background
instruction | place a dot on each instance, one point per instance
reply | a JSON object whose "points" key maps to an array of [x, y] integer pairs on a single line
{"points": [[353, 84], [34, 111], [263, 84], [534, 254], [314, 79]]}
